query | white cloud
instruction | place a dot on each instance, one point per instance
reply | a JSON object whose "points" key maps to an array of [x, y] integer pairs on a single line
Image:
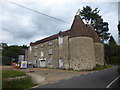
{"points": [[22, 26]]}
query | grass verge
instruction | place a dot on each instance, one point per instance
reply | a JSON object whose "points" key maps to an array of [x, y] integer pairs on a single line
{"points": [[16, 84], [12, 73], [101, 67]]}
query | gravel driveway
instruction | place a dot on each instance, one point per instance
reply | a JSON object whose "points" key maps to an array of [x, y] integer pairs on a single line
{"points": [[50, 75], [42, 76]]}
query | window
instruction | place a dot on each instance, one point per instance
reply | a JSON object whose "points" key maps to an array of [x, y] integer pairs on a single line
{"points": [[60, 40], [41, 45], [30, 48], [36, 47], [50, 43], [50, 61], [41, 54], [50, 51]]}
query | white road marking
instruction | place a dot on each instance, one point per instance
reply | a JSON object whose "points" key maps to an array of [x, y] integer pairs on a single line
{"points": [[112, 82]]}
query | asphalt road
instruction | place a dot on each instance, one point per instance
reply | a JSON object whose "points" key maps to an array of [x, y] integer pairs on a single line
{"points": [[97, 79]]}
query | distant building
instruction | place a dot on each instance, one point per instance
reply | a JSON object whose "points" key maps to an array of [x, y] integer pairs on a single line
{"points": [[21, 56], [78, 48], [3, 45]]}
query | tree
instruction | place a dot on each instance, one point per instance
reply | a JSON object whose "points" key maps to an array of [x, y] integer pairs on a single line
{"points": [[119, 28], [112, 52], [119, 33], [97, 22], [10, 53]]}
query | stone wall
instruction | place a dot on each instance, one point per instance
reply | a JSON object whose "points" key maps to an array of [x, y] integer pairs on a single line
{"points": [[63, 52], [44, 48], [99, 53], [82, 55], [59, 52], [78, 53]]}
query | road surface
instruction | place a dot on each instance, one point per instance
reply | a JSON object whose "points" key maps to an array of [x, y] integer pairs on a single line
{"points": [[97, 79]]}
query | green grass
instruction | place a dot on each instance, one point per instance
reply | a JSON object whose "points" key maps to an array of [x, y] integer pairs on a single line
{"points": [[101, 67], [12, 73], [18, 84]]}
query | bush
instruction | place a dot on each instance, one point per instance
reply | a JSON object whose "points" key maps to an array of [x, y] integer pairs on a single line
{"points": [[6, 60], [115, 60]]}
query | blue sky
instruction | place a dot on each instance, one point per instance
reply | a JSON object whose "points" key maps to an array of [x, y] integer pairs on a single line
{"points": [[21, 26]]}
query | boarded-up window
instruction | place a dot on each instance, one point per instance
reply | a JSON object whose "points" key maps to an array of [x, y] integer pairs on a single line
{"points": [[50, 51], [50, 43], [35, 53], [60, 40], [30, 48], [41, 45], [50, 61], [41, 54]]}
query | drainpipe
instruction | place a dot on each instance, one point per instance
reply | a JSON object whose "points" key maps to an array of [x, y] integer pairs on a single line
{"points": [[68, 53]]}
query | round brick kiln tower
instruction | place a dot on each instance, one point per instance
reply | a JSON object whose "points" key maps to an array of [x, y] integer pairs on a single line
{"points": [[82, 54], [98, 46]]}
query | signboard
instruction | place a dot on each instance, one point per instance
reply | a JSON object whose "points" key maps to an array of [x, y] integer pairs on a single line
{"points": [[23, 64], [20, 58]]}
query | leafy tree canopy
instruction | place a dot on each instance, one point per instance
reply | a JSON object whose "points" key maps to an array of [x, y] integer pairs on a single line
{"points": [[11, 52], [88, 14]]}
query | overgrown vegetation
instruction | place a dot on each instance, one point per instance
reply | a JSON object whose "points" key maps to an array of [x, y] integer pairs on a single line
{"points": [[11, 52], [101, 67], [18, 84], [112, 52], [12, 73]]}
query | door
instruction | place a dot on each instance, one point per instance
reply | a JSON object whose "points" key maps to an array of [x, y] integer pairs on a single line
{"points": [[61, 64], [42, 63]]}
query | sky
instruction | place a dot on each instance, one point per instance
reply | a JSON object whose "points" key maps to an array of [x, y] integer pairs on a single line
{"points": [[20, 26]]}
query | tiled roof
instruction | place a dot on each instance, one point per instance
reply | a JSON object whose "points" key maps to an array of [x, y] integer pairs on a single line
{"points": [[65, 33], [93, 34], [78, 28]]}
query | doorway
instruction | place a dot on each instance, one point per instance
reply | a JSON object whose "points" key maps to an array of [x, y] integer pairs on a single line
{"points": [[42, 63]]}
